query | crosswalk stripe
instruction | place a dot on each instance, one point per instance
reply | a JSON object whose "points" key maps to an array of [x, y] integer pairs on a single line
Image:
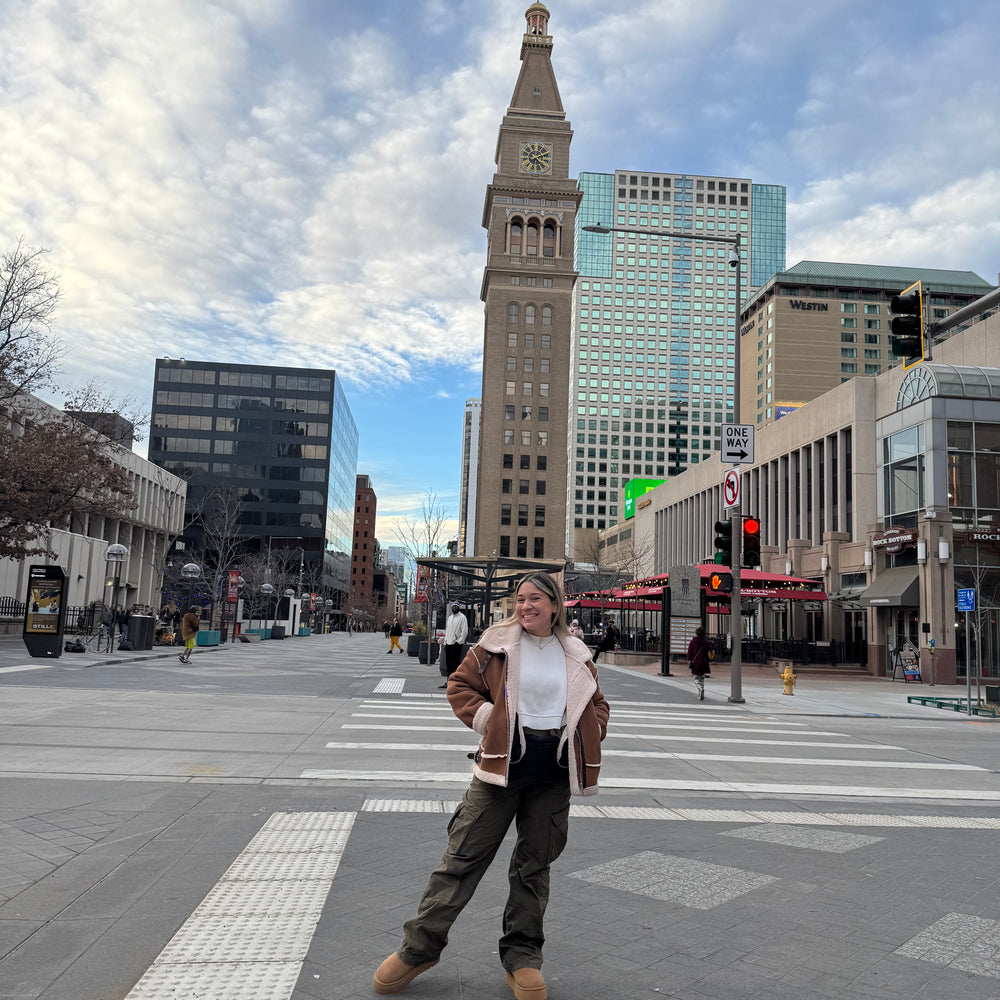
{"points": [[250, 934], [396, 777], [666, 755], [785, 817]]}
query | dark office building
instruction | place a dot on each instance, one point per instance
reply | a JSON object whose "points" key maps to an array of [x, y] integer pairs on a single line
{"points": [[284, 438]]}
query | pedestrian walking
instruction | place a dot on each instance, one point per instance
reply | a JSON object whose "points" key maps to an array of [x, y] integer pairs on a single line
{"points": [[530, 691], [122, 620], [190, 624], [385, 629], [456, 631], [395, 631], [700, 653], [608, 641]]}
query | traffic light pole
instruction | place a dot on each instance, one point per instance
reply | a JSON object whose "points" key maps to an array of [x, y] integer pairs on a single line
{"points": [[736, 604], [736, 514]]}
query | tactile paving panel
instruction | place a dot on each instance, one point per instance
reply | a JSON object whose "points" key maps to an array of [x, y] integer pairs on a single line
{"points": [[679, 880], [809, 838], [249, 936]]}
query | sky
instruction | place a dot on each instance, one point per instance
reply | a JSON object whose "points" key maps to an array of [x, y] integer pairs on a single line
{"points": [[301, 182]]}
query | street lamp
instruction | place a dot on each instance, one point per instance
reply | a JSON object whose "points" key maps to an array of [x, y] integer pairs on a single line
{"points": [[116, 554], [735, 262], [291, 612], [266, 589], [190, 571]]}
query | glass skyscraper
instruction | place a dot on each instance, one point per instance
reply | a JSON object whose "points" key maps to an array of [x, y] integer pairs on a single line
{"points": [[655, 317]]}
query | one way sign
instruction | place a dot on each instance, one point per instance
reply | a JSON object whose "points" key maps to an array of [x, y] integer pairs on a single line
{"points": [[737, 444]]}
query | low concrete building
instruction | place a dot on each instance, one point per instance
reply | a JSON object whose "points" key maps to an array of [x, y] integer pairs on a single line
{"points": [[885, 489], [81, 546]]}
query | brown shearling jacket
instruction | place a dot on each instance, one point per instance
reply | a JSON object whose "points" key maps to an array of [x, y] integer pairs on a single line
{"points": [[484, 687]]}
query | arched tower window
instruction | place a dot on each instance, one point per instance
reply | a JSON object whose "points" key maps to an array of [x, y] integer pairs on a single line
{"points": [[529, 314], [515, 236], [512, 313], [549, 240], [531, 242], [546, 315]]}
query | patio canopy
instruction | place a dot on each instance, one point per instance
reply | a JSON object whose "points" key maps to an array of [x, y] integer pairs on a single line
{"points": [[896, 587]]}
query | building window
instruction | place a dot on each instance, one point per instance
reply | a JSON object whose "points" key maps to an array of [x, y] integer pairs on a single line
{"points": [[508, 437], [543, 413], [539, 548], [512, 340], [543, 388], [505, 545], [546, 315], [872, 324], [525, 439], [512, 313], [527, 388], [511, 364], [543, 365], [871, 310], [508, 413], [871, 338], [505, 513], [529, 315], [540, 488], [539, 516], [523, 487], [529, 364], [525, 460], [541, 463], [546, 341], [522, 515], [848, 369], [525, 412], [848, 307], [508, 461], [848, 338], [848, 352], [522, 547], [506, 485], [848, 324]]}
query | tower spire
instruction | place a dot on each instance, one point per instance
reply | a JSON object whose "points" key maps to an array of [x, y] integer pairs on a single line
{"points": [[536, 91]]}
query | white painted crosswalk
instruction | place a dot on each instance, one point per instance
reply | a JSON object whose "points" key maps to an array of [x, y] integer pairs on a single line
{"points": [[720, 750]]}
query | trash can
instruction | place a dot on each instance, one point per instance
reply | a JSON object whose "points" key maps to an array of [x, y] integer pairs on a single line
{"points": [[140, 631]]}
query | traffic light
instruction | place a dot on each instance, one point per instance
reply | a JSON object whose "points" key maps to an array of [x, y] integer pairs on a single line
{"points": [[720, 583], [907, 325], [724, 543], [751, 542]]}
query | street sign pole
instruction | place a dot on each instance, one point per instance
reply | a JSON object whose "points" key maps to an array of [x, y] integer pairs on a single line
{"points": [[736, 611]]}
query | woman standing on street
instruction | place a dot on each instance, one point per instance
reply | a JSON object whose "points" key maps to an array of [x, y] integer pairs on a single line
{"points": [[531, 693], [701, 654]]}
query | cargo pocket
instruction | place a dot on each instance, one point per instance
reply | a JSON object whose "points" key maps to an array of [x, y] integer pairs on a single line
{"points": [[558, 833], [464, 830]]}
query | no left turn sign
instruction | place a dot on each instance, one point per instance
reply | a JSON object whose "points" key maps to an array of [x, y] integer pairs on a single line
{"points": [[731, 488]]}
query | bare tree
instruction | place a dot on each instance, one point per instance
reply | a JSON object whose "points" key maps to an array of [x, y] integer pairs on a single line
{"points": [[217, 512], [425, 536], [29, 294], [53, 469], [93, 398]]}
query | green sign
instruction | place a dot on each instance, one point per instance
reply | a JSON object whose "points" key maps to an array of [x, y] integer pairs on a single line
{"points": [[634, 490]]}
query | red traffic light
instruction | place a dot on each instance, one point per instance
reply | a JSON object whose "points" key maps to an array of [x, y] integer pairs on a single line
{"points": [[751, 526]]}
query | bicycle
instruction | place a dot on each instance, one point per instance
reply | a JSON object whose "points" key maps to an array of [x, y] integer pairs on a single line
{"points": [[97, 641]]}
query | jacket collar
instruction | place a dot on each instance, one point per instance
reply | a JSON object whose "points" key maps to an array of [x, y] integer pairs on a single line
{"points": [[502, 638]]}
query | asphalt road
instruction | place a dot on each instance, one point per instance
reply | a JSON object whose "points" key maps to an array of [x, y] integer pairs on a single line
{"points": [[260, 822]]}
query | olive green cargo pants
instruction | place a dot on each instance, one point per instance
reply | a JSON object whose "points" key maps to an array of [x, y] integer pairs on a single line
{"points": [[537, 799]]}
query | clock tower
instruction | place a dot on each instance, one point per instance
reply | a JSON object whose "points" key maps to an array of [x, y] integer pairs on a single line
{"points": [[527, 289]]}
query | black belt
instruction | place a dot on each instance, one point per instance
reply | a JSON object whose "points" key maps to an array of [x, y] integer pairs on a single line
{"points": [[542, 732]]}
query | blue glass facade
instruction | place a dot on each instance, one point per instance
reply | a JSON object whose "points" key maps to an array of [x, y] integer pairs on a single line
{"points": [[767, 233], [655, 325], [341, 491], [594, 250]]}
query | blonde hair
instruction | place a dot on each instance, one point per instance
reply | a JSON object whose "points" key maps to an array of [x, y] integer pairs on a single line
{"points": [[549, 586]]}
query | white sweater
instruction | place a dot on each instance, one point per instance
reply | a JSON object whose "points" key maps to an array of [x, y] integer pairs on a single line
{"points": [[541, 696]]}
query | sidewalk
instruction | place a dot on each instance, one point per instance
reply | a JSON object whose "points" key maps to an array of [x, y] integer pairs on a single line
{"points": [[861, 696]]}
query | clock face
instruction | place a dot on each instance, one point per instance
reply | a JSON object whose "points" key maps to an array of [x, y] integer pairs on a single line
{"points": [[536, 158]]}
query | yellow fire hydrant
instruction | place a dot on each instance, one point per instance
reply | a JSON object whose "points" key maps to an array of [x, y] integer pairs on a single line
{"points": [[788, 678]]}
